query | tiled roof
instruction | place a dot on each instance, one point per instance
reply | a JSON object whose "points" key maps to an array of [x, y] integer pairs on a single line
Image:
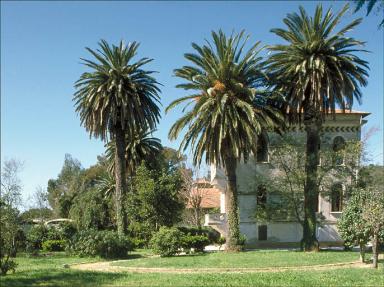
{"points": [[210, 197]]}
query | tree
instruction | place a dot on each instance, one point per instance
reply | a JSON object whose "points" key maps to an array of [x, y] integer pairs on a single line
{"points": [[370, 4], [373, 212], [115, 98], [90, 207], [352, 227], [62, 190], [280, 190], [227, 113], [316, 71], [10, 199], [155, 201], [10, 182], [193, 196], [140, 146]]}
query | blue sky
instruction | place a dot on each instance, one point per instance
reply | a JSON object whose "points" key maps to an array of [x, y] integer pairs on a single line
{"points": [[41, 43]]}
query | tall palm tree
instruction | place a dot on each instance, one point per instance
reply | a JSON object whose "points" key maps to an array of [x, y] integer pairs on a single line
{"points": [[316, 71], [139, 146], [117, 96], [225, 115]]}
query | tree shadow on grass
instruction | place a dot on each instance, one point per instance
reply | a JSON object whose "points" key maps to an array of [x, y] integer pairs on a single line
{"points": [[59, 278]]}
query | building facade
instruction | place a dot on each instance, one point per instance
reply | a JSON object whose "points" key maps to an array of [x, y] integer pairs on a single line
{"points": [[344, 127]]}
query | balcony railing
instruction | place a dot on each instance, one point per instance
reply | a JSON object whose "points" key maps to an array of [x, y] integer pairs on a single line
{"points": [[215, 219]]}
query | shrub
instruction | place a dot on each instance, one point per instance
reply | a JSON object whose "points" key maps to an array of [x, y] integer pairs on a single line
{"points": [[197, 242], [40, 233], [68, 230], [242, 240], [7, 265], [35, 237], [54, 245], [209, 232], [167, 241], [221, 241], [106, 244]]}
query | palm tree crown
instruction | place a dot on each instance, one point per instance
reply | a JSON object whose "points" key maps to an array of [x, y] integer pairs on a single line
{"points": [[140, 146], [317, 69], [116, 92], [226, 116]]}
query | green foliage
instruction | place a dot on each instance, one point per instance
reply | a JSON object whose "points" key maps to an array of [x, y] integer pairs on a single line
{"points": [[370, 4], [139, 146], [154, 201], [197, 242], [38, 234], [54, 245], [91, 209], [6, 266], [62, 190], [167, 241], [352, 227], [212, 235], [104, 96], [106, 244], [36, 213], [9, 231], [68, 229], [317, 69], [225, 112]]}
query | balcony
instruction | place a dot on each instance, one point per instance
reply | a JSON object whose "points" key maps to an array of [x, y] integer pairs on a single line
{"points": [[217, 221], [214, 219]]}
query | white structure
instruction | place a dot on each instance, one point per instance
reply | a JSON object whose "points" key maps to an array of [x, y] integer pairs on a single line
{"points": [[284, 233]]}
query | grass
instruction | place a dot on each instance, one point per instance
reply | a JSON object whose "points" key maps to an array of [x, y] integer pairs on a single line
{"points": [[247, 259], [49, 271]]}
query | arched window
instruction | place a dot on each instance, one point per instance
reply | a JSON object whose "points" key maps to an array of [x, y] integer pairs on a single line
{"points": [[262, 148], [337, 197], [338, 147]]}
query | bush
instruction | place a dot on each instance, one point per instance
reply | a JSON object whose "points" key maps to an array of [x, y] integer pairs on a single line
{"points": [[40, 233], [7, 265], [106, 244], [68, 230], [242, 240], [167, 241], [212, 235], [221, 241], [54, 245], [197, 242], [35, 237]]}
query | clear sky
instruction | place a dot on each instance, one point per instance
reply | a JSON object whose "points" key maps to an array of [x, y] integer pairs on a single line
{"points": [[41, 43]]}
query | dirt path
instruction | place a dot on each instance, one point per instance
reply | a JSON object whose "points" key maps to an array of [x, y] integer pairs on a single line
{"points": [[108, 267]]}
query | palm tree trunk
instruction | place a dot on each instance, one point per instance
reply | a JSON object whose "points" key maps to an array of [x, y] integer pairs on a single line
{"points": [[120, 179], [311, 189], [231, 206]]}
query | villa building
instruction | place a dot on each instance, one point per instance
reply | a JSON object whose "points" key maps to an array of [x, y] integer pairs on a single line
{"points": [[284, 233]]}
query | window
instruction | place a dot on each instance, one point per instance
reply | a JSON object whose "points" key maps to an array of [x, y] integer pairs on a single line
{"points": [[261, 196], [338, 147], [263, 232], [337, 198], [262, 148]]}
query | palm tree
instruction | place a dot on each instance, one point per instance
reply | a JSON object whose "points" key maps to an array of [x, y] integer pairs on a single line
{"points": [[226, 116], [117, 96], [139, 146], [316, 71], [370, 4]]}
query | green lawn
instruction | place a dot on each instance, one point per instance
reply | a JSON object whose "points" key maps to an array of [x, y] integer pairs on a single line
{"points": [[49, 271], [248, 259]]}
